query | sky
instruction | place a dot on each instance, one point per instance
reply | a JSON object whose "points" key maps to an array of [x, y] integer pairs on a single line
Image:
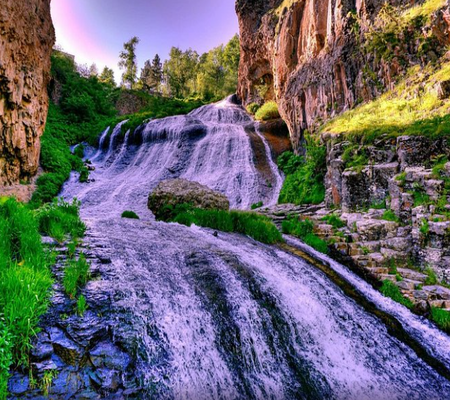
{"points": [[94, 30]]}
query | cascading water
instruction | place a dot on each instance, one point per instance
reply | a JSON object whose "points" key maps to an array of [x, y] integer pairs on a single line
{"points": [[227, 317]]}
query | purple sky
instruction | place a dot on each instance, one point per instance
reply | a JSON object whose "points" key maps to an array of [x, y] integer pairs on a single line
{"points": [[95, 30]]}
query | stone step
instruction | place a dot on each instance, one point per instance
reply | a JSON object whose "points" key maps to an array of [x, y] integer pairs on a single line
{"points": [[439, 292], [411, 274], [388, 277], [379, 270], [408, 284]]}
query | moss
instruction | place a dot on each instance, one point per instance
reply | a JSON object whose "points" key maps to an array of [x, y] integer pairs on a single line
{"points": [[252, 108], [389, 215], [130, 215], [267, 112], [334, 220]]}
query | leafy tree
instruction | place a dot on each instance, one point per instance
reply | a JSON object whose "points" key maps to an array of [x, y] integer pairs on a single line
{"points": [[180, 71], [128, 62], [107, 76]]}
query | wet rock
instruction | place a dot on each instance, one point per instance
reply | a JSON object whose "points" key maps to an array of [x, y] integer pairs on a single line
{"points": [[65, 348], [18, 384], [107, 355], [87, 330], [181, 191]]}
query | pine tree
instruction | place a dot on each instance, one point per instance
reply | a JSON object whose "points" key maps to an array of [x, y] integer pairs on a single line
{"points": [[107, 76]]}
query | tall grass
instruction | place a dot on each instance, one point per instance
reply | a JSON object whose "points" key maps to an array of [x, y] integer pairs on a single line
{"points": [[305, 231], [254, 225], [76, 274]]}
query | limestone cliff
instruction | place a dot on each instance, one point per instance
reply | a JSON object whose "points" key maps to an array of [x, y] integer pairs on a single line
{"points": [[313, 57], [26, 40]]}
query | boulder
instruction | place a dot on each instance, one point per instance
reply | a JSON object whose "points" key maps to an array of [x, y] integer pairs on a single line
{"points": [[180, 191]]}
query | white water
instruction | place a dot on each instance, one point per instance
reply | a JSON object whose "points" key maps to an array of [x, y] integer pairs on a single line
{"points": [[226, 317]]}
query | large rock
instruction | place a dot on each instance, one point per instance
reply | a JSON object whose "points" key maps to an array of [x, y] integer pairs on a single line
{"points": [[26, 40], [181, 191], [309, 56]]}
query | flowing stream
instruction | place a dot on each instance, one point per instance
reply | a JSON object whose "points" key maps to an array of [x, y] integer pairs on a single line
{"points": [[226, 317]]}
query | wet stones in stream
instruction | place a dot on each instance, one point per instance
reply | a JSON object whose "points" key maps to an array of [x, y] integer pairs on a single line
{"points": [[77, 357]]}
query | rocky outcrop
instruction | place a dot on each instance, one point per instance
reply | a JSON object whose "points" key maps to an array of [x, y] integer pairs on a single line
{"points": [[26, 41], [311, 56], [180, 191]]}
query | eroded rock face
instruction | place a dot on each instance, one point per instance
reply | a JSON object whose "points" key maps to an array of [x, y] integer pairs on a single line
{"points": [[309, 56], [181, 191], [26, 40]]}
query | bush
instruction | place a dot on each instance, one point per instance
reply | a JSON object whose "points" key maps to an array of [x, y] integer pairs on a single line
{"points": [[390, 289], [130, 215], [254, 225], [267, 112], [304, 183], [76, 274], [252, 108]]}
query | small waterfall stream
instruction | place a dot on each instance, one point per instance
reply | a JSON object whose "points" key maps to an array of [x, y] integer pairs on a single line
{"points": [[226, 317]]}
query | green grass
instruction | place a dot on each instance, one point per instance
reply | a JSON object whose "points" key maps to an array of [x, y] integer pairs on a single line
{"points": [[432, 278], [389, 215], [305, 231], [334, 221], [59, 218], [81, 305], [76, 275], [257, 205], [130, 215], [267, 111], [25, 284], [390, 289], [304, 183], [251, 224], [441, 318]]}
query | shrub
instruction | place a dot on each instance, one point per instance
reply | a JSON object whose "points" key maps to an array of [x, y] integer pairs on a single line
{"points": [[254, 225], [390, 289], [76, 274], [130, 215], [267, 112], [252, 108], [304, 183]]}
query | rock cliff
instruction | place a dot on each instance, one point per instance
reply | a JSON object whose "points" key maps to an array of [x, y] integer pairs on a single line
{"points": [[318, 58], [26, 40]]}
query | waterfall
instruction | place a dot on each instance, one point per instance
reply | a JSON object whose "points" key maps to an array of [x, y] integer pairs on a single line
{"points": [[226, 317]]}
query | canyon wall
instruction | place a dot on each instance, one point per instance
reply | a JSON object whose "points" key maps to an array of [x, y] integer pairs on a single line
{"points": [[26, 40], [311, 56]]}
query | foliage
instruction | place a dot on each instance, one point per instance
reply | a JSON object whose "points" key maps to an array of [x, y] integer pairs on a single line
{"points": [[58, 218], [304, 183], [441, 317], [47, 381], [432, 278], [128, 62], [251, 224], [5, 357], [152, 75], [130, 215], [259, 204], [389, 215], [267, 111], [76, 275], [390, 289], [334, 221], [252, 108], [81, 305], [304, 229], [212, 75]]}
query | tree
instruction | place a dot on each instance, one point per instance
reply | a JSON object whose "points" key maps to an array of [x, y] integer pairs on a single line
{"points": [[151, 75], [93, 70], [107, 76], [180, 71], [157, 73], [146, 77], [128, 62]]}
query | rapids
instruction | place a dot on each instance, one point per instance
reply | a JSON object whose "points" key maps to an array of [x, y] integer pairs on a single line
{"points": [[226, 317]]}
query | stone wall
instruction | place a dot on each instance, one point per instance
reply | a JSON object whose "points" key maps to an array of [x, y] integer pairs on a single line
{"points": [[26, 40]]}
